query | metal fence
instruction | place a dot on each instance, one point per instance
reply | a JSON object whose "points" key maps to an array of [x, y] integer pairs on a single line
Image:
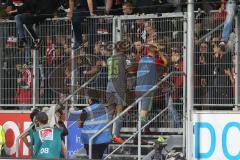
{"points": [[50, 69], [215, 73], [26, 74], [43, 77], [168, 32]]}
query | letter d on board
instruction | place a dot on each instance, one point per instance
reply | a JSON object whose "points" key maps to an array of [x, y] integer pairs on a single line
{"points": [[197, 127]]}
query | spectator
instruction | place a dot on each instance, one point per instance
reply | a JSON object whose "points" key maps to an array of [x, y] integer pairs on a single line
{"points": [[116, 86], [63, 8], [47, 141], [231, 9], [60, 123], [166, 6], [67, 80], [203, 61], [50, 51], [144, 6], [209, 5], [92, 119], [46, 92], [14, 7], [101, 55], [147, 77], [137, 52], [40, 10], [177, 93], [113, 7], [127, 8], [55, 70], [151, 34], [219, 89], [141, 33], [78, 13], [132, 62], [127, 28], [231, 73], [24, 82], [108, 6]]}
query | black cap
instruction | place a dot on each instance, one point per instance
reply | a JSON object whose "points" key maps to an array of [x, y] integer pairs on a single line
{"points": [[42, 117]]}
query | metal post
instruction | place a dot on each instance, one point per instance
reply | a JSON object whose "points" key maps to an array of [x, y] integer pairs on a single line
{"points": [[35, 79], [237, 65], [90, 149], [184, 79], [1, 71], [73, 77], [190, 60], [139, 129], [116, 31]]}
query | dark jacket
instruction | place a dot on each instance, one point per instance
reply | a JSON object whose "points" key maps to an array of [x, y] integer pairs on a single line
{"points": [[42, 7]]}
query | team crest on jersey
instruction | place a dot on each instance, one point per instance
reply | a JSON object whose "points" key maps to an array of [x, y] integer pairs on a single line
{"points": [[46, 134]]}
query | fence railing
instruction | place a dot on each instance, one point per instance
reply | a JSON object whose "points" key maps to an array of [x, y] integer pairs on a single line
{"points": [[50, 69], [56, 107], [140, 128], [53, 68], [215, 69]]}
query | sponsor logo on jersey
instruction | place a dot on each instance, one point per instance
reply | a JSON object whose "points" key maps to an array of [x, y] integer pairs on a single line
{"points": [[46, 134]]}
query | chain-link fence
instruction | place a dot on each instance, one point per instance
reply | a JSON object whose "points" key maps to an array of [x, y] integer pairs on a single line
{"points": [[51, 79], [214, 64], [167, 32]]}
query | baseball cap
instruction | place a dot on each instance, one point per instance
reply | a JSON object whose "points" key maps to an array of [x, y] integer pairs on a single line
{"points": [[42, 117]]}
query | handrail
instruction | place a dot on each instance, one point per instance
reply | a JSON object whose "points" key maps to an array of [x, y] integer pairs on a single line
{"points": [[57, 107], [130, 107], [143, 127], [137, 132]]}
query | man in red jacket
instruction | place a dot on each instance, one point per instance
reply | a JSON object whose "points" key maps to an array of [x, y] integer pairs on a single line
{"points": [[24, 82]]}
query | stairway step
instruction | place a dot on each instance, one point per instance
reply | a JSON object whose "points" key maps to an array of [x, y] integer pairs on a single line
{"points": [[159, 130], [130, 149], [81, 156], [132, 145], [123, 157], [125, 135]]}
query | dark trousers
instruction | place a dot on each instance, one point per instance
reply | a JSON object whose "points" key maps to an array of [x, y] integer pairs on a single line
{"points": [[78, 17], [28, 19], [97, 150]]}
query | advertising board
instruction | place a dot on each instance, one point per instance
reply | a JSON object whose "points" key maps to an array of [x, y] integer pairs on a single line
{"points": [[216, 136], [14, 124], [74, 143]]}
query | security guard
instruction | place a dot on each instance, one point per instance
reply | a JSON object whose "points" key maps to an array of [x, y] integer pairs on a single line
{"points": [[2, 139], [92, 119]]}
